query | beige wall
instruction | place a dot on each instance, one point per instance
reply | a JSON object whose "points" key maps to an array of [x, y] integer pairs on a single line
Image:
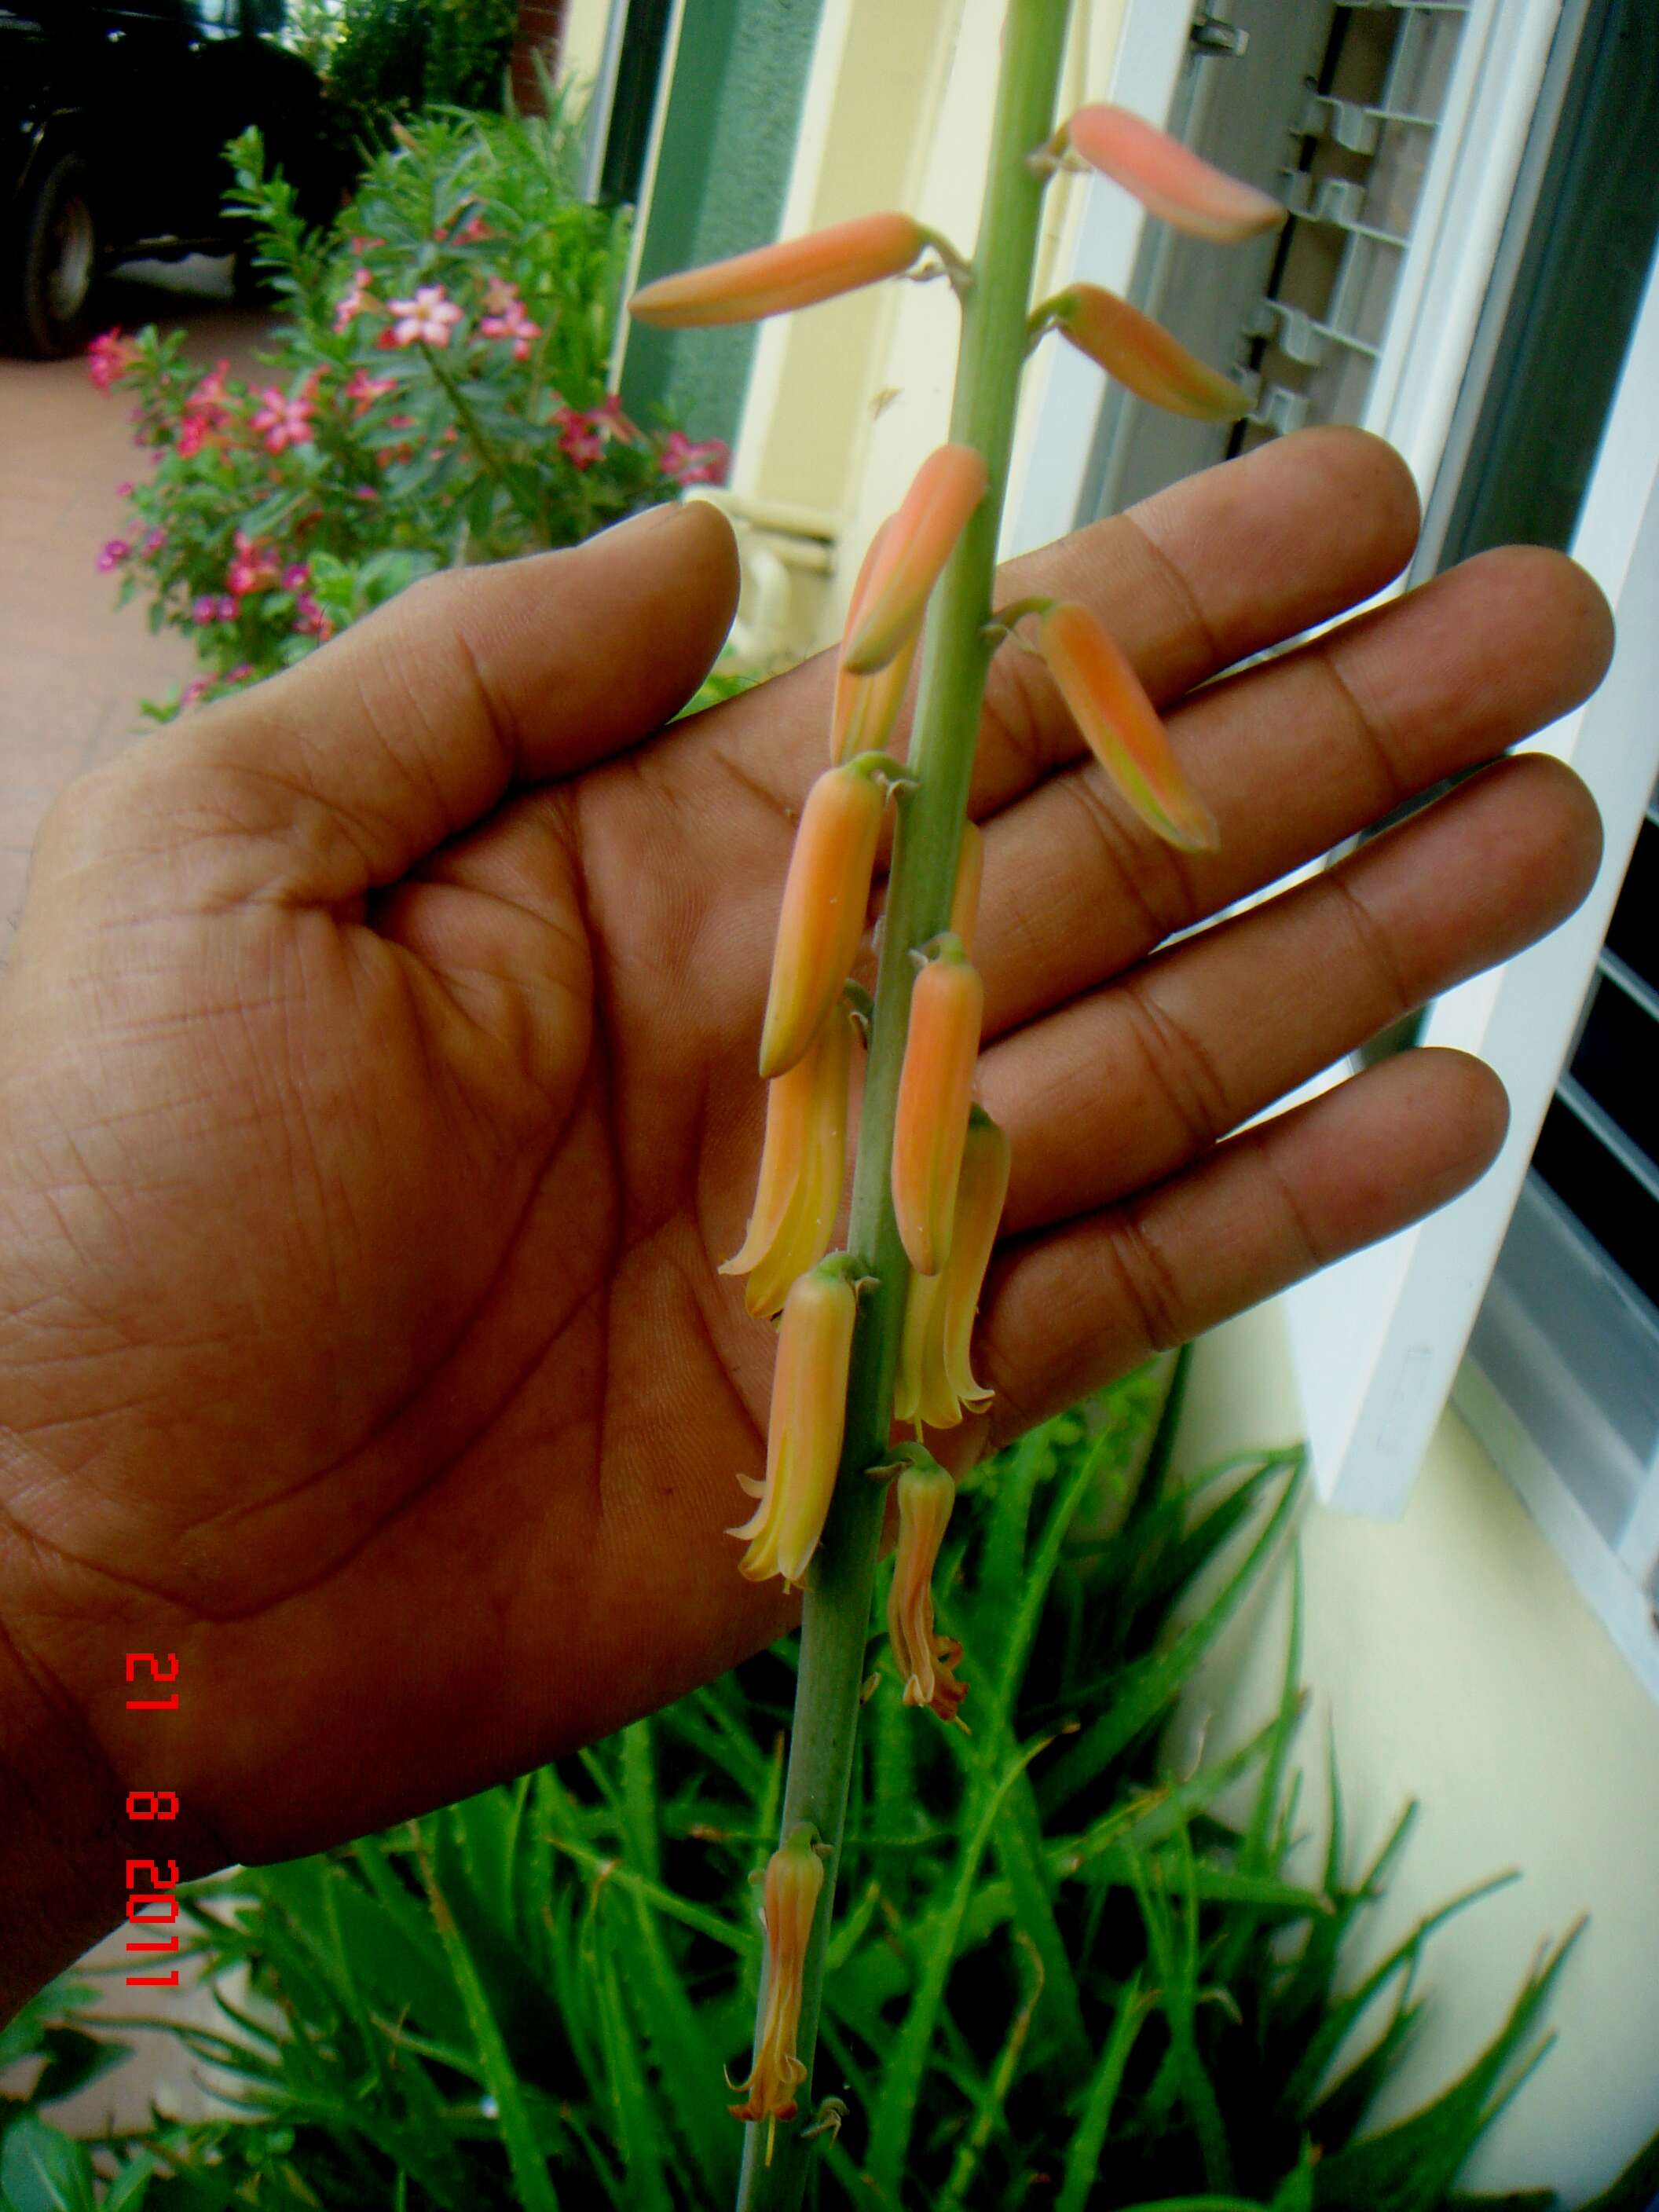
{"points": [[1458, 1666]]}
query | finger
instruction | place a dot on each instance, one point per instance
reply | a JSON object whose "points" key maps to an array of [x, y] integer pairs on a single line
{"points": [[1085, 1303], [409, 727], [1121, 1088], [1219, 567], [1293, 757]]}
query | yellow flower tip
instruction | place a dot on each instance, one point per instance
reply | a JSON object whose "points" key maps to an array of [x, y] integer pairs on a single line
{"points": [[1144, 357], [795, 272], [803, 1167], [947, 1009], [936, 1384], [926, 1496], [1167, 179], [825, 899], [970, 876], [793, 1884], [808, 1417], [919, 541], [1121, 725]]}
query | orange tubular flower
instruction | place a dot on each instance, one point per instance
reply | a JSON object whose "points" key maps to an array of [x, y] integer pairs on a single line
{"points": [[796, 272], [970, 874], [1121, 726], [936, 1381], [1167, 177], [825, 899], [918, 542], [803, 1167], [794, 1883], [935, 1090], [866, 707], [809, 1414], [1143, 356], [924, 1658]]}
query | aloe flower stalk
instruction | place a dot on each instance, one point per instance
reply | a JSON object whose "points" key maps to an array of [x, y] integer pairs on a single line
{"points": [[793, 1884], [1167, 177], [927, 1495], [1142, 355], [1120, 725], [931, 1172], [803, 1167], [797, 272], [916, 544], [825, 899], [935, 1092], [936, 1383], [804, 1439]]}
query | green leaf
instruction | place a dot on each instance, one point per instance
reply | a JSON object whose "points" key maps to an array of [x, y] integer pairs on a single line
{"points": [[42, 2170]]}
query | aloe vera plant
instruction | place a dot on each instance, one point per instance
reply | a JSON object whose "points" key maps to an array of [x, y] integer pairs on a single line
{"points": [[1065, 1974]]}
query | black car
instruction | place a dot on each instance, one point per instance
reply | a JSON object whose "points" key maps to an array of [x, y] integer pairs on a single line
{"points": [[113, 119]]}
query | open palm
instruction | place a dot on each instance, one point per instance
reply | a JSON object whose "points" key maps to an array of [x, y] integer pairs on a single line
{"points": [[377, 1097]]}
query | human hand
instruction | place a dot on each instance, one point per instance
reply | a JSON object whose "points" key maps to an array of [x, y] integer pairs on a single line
{"points": [[377, 1099]]}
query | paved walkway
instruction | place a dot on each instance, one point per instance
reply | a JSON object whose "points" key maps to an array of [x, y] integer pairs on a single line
{"points": [[72, 667]]}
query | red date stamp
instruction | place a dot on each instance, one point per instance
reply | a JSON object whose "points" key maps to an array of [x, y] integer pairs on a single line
{"points": [[152, 1906]]}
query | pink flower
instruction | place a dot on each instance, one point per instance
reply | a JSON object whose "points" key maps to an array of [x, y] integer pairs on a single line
{"points": [[206, 609], [510, 321], [193, 691], [109, 357], [312, 622], [357, 301], [241, 673], [683, 462], [610, 413], [124, 491], [362, 390], [296, 576], [285, 421], [364, 492], [115, 550], [361, 246], [154, 541], [476, 232], [427, 320], [580, 440], [193, 433], [253, 568]]}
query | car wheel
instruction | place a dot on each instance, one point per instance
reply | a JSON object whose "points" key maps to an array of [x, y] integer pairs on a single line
{"points": [[55, 275]]}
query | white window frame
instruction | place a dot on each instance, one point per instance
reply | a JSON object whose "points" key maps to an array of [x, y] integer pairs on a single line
{"points": [[1376, 1342]]}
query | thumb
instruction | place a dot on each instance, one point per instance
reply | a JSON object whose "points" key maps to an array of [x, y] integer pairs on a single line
{"points": [[412, 725]]}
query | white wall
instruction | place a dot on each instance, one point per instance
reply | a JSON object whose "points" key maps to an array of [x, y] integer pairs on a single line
{"points": [[1458, 1666]]}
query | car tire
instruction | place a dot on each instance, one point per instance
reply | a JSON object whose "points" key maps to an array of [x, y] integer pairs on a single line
{"points": [[53, 279]]}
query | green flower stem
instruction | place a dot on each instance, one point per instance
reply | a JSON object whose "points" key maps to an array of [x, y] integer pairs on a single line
{"points": [[956, 657], [481, 443]]}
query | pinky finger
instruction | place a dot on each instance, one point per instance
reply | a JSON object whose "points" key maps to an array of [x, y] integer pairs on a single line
{"points": [[1072, 1309]]}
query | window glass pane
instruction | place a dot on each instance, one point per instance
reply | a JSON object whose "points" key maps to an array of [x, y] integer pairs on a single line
{"points": [[1620, 1214], [1634, 932]]}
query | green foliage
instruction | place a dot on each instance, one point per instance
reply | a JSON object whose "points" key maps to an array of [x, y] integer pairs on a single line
{"points": [[384, 444], [381, 60], [1062, 1974]]}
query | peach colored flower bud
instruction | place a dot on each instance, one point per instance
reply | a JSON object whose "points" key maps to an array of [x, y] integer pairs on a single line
{"points": [[866, 707], [1121, 726], [935, 1090], [936, 1381], [970, 874], [924, 1658], [796, 272], [825, 899], [1144, 357], [809, 1414], [919, 541], [1167, 177], [793, 1884], [803, 1167]]}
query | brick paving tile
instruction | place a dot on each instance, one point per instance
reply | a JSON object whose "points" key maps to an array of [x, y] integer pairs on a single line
{"points": [[73, 666]]}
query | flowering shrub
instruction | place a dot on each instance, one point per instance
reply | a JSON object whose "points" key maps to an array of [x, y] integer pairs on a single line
{"points": [[435, 393]]}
